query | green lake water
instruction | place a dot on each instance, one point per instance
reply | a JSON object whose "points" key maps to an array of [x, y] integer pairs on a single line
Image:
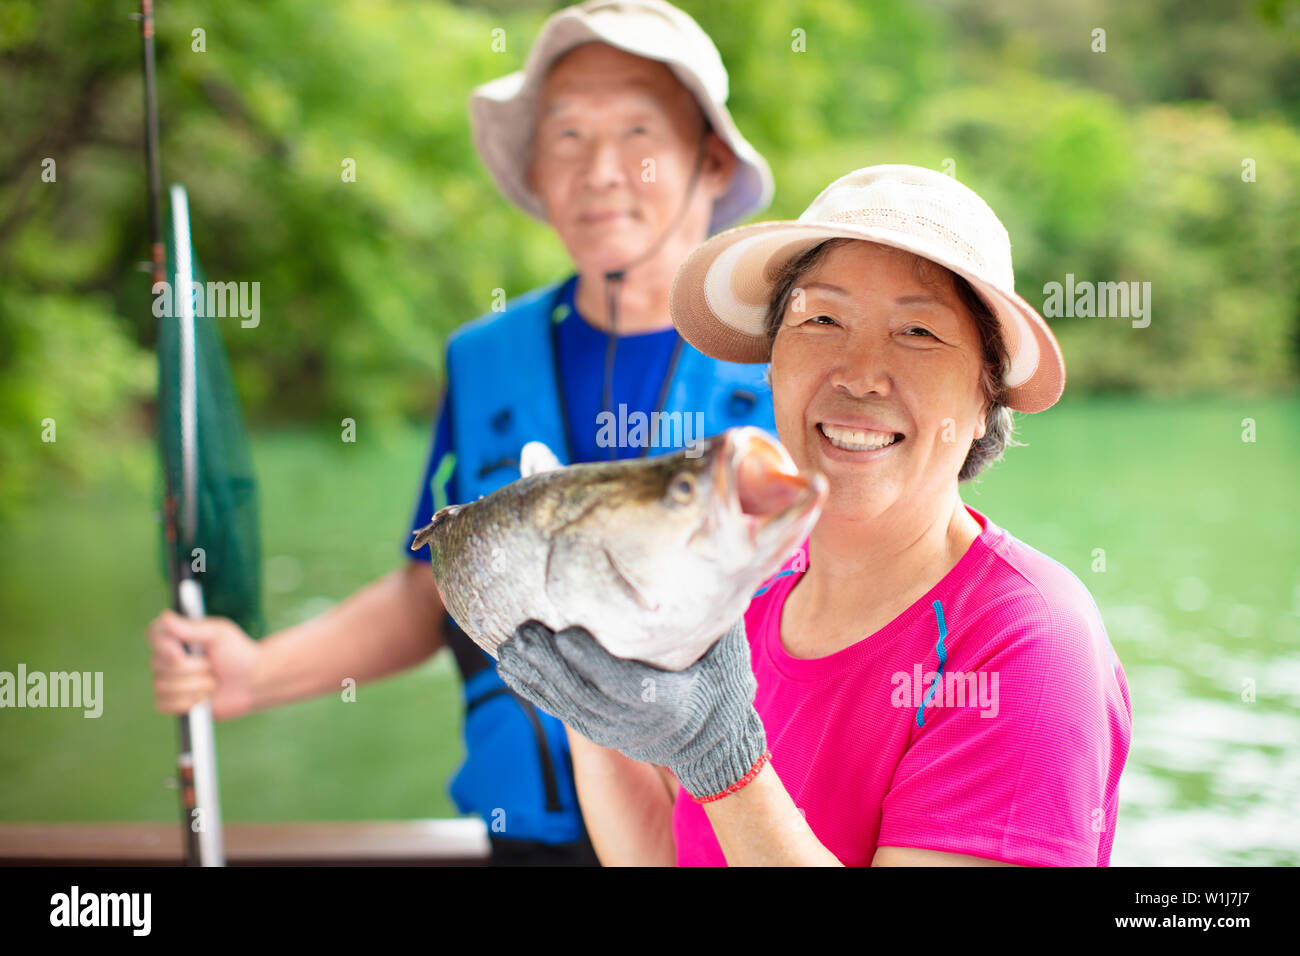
{"points": [[1200, 593]]}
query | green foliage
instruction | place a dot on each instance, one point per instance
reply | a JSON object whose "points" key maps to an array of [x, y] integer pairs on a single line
{"points": [[67, 376], [1117, 166], [1154, 195]]}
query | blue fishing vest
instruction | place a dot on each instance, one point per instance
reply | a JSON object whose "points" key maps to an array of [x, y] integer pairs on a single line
{"points": [[505, 391]]}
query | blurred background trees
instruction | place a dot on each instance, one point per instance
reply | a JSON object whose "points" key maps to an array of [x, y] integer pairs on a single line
{"points": [[1123, 165]]}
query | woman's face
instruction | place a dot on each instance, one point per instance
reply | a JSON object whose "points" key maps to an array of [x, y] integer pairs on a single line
{"points": [[876, 381]]}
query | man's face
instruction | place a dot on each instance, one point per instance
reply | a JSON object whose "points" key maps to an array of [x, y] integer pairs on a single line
{"points": [[617, 138]]}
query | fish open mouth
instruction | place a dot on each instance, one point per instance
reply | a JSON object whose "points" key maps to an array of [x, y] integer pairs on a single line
{"points": [[767, 483]]}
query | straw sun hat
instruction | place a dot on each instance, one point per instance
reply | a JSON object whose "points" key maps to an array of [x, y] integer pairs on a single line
{"points": [[504, 112], [720, 296]]}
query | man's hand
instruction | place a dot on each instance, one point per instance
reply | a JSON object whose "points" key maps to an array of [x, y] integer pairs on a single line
{"points": [[224, 671], [699, 722]]}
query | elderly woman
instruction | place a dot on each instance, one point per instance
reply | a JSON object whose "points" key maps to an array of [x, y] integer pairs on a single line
{"points": [[916, 686]]}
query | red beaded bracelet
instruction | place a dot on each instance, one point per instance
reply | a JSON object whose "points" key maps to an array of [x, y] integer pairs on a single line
{"points": [[753, 772]]}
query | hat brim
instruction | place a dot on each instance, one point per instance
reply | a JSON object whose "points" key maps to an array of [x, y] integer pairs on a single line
{"points": [[720, 297], [503, 114]]}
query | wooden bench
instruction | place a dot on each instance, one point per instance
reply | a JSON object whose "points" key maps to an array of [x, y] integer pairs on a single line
{"points": [[336, 843]]}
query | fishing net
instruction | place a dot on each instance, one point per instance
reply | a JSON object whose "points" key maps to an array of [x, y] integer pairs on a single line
{"points": [[207, 470]]}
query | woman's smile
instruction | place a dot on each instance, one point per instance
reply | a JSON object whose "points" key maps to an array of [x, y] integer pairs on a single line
{"points": [[858, 442]]}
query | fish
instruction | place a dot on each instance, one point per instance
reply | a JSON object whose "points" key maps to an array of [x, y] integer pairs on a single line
{"points": [[655, 557]]}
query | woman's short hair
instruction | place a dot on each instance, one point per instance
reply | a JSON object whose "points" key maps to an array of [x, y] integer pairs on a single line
{"points": [[999, 425]]}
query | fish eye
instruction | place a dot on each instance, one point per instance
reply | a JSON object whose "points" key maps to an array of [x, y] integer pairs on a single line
{"points": [[682, 488]]}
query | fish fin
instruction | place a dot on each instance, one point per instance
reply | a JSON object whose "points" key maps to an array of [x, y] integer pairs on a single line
{"points": [[536, 458], [425, 534]]}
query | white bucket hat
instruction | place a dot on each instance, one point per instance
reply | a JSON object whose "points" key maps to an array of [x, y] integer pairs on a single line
{"points": [[503, 112], [720, 296]]}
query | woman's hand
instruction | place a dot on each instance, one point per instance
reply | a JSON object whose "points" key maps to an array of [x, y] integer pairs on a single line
{"points": [[699, 722]]}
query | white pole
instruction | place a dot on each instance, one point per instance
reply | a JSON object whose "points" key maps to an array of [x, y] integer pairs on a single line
{"points": [[203, 746], [203, 743]]}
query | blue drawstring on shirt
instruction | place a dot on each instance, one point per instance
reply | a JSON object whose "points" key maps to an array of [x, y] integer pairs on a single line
{"points": [[943, 656], [766, 587], [940, 650]]}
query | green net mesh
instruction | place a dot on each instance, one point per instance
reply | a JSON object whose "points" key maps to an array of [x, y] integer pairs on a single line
{"points": [[221, 544]]}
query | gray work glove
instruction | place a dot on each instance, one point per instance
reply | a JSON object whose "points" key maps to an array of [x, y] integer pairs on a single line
{"points": [[700, 722]]}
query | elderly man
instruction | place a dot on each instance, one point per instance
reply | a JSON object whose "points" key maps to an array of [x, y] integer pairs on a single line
{"points": [[617, 135]]}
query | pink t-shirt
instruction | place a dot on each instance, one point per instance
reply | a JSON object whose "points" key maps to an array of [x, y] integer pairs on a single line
{"points": [[1015, 755]]}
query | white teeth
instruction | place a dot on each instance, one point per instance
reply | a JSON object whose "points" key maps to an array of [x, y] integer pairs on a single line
{"points": [[853, 439]]}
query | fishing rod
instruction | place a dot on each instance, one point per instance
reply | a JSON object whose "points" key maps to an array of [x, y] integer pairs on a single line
{"points": [[201, 836], [154, 169]]}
